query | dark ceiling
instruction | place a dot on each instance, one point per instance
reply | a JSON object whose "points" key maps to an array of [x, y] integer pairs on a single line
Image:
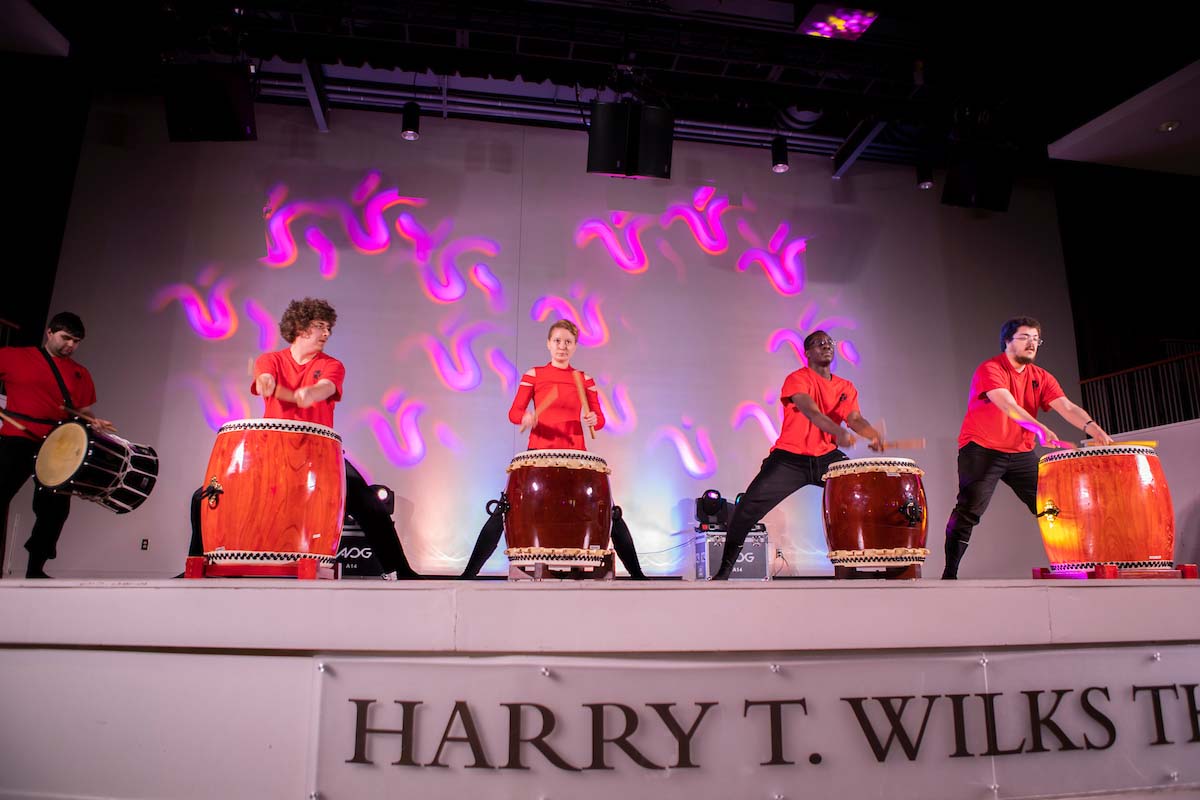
{"points": [[1016, 76]]}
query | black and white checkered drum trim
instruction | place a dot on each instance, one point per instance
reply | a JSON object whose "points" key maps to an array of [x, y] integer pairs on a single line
{"points": [[1103, 450], [1088, 565], [260, 557], [285, 425], [567, 458], [851, 466]]}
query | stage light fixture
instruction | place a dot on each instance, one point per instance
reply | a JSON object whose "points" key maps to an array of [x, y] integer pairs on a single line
{"points": [[386, 496], [924, 176], [711, 508], [779, 155], [410, 118]]}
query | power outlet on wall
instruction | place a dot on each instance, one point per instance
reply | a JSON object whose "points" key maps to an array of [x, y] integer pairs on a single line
{"points": [[145, 544]]}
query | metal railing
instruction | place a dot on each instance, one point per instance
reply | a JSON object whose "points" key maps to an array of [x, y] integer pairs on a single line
{"points": [[1156, 394]]}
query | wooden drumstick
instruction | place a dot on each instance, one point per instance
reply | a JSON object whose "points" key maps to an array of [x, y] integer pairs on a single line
{"points": [[286, 395], [583, 397], [541, 407], [87, 417], [13, 422], [1136, 443], [906, 444]]}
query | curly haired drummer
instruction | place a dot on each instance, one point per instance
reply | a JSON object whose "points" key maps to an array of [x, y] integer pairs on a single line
{"points": [[302, 382], [37, 401], [1000, 428], [816, 403]]}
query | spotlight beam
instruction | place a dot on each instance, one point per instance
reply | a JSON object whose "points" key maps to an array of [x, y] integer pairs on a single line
{"points": [[314, 89], [859, 140]]}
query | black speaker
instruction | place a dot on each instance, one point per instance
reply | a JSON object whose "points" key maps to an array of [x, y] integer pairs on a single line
{"points": [[630, 139], [978, 176], [209, 103]]}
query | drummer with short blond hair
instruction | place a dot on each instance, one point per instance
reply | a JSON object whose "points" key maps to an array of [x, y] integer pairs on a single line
{"points": [[820, 415], [1000, 428], [44, 386]]}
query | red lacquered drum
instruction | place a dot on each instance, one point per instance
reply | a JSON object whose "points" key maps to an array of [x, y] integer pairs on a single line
{"points": [[1105, 505], [282, 489], [875, 513], [560, 509]]}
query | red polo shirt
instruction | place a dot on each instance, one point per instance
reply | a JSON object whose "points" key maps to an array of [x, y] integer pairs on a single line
{"points": [[32, 390], [290, 375], [1033, 388], [836, 398]]}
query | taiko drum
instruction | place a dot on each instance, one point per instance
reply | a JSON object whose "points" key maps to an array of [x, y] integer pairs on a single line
{"points": [[875, 513], [1105, 505], [560, 508], [278, 491]]}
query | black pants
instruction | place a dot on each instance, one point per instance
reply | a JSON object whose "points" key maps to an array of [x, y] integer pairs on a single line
{"points": [[782, 473], [979, 470], [363, 505], [50, 510]]}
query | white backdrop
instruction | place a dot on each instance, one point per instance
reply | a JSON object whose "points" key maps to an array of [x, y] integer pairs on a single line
{"points": [[693, 295]]}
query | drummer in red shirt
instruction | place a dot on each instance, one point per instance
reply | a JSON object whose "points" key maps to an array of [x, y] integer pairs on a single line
{"points": [[816, 403], [998, 432], [301, 382], [556, 424], [38, 402]]}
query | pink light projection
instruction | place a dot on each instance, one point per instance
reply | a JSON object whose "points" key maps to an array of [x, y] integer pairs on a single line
{"points": [[483, 277], [444, 283], [214, 318], [629, 255], [806, 324], [750, 410], [673, 258], [593, 330], [217, 410], [505, 369], [325, 249], [456, 364], [708, 231], [703, 465], [366, 187], [785, 271], [448, 437], [275, 197], [400, 442], [828, 21], [268, 331], [620, 415]]}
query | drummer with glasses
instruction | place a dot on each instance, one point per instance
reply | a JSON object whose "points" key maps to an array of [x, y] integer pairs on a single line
{"points": [[1000, 429], [42, 384], [820, 415]]}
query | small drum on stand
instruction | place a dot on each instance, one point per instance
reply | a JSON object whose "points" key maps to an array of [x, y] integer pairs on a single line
{"points": [[275, 495], [559, 516], [98, 466], [875, 518], [1105, 506]]}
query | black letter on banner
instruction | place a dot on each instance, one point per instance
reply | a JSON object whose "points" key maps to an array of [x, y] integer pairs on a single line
{"points": [[1037, 722], [1158, 716], [515, 740], [407, 733], [777, 758], [682, 738], [598, 740], [894, 718], [1193, 711], [461, 709], [989, 719], [960, 726], [1099, 716]]}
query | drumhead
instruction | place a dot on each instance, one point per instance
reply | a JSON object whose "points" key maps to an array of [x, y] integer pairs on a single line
{"points": [[61, 454], [853, 466], [570, 459], [282, 425], [1100, 450]]}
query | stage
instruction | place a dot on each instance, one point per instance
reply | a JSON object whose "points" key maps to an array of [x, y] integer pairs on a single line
{"points": [[435, 688]]}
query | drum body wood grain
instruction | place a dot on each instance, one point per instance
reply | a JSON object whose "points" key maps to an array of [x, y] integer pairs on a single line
{"points": [[1105, 505], [282, 489], [875, 514]]}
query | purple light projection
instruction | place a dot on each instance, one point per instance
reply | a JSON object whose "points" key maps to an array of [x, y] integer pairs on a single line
{"points": [[504, 368], [400, 442], [483, 277], [708, 231], [593, 330], [217, 410], [215, 318], [268, 329], [620, 415], [835, 22], [703, 465], [786, 270], [456, 364], [809, 322], [630, 257], [449, 439], [750, 410]]}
